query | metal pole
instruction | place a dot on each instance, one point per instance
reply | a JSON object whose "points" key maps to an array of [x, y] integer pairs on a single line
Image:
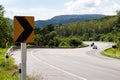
{"points": [[23, 58]]}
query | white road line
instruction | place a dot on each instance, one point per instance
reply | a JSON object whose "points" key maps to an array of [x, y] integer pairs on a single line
{"points": [[69, 73]]}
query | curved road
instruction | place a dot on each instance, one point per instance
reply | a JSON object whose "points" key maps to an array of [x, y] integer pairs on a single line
{"points": [[71, 64]]}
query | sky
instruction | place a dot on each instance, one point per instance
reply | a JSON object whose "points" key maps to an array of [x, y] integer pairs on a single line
{"points": [[46, 9]]}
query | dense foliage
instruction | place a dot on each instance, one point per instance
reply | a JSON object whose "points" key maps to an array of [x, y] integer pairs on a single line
{"points": [[7, 71], [48, 37], [5, 29], [71, 35], [99, 29]]}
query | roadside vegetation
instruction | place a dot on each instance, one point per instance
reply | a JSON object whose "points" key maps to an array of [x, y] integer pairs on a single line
{"points": [[103, 29], [6, 30], [112, 52], [7, 71]]}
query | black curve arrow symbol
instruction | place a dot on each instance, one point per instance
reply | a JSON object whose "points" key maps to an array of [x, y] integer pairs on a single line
{"points": [[27, 29]]}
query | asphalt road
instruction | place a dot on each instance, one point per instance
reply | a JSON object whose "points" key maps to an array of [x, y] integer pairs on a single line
{"points": [[71, 64]]}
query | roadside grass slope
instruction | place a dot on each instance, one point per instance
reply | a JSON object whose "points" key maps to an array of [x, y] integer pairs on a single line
{"points": [[7, 71], [112, 52]]}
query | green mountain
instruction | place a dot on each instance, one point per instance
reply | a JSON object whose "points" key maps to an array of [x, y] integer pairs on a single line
{"points": [[65, 19]]}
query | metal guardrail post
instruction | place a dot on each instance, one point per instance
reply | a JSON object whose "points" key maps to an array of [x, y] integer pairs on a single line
{"points": [[7, 57]]}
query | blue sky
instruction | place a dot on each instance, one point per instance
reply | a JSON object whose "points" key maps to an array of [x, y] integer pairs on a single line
{"points": [[46, 9]]}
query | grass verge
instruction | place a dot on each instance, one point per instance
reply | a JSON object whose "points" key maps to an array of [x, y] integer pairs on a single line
{"points": [[112, 52], [7, 71]]}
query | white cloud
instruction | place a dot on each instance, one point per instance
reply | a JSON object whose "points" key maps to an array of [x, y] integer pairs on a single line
{"points": [[38, 13], [8, 1], [92, 6], [108, 7]]}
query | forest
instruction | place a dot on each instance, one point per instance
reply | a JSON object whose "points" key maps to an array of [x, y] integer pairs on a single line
{"points": [[73, 34]]}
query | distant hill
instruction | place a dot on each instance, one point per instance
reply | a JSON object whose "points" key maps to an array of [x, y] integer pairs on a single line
{"points": [[65, 19]]}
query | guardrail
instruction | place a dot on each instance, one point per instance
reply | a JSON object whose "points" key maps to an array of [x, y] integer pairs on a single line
{"points": [[11, 49]]}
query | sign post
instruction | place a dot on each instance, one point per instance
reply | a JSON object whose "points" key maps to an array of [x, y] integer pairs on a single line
{"points": [[23, 33], [24, 58]]}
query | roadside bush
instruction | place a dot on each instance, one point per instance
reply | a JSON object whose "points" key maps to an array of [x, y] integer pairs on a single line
{"points": [[3, 45], [83, 45], [51, 43], [118, 44], [64, 45], [75, 42]]}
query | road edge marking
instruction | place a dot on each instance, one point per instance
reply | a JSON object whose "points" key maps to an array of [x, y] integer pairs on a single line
{"points": [[59, 69]]}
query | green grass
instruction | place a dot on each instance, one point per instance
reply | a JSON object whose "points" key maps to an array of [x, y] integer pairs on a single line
{"points": [[83, 45], [7, 71], [112, 52]]}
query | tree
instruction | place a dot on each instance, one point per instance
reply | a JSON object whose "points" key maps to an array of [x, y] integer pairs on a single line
{"points": [[1, 11], [38, 40], [75, 42], [118, 21], [5, 28], [118, 43], [47, 29], [117, 29], [37, 30], [118, 15]]}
